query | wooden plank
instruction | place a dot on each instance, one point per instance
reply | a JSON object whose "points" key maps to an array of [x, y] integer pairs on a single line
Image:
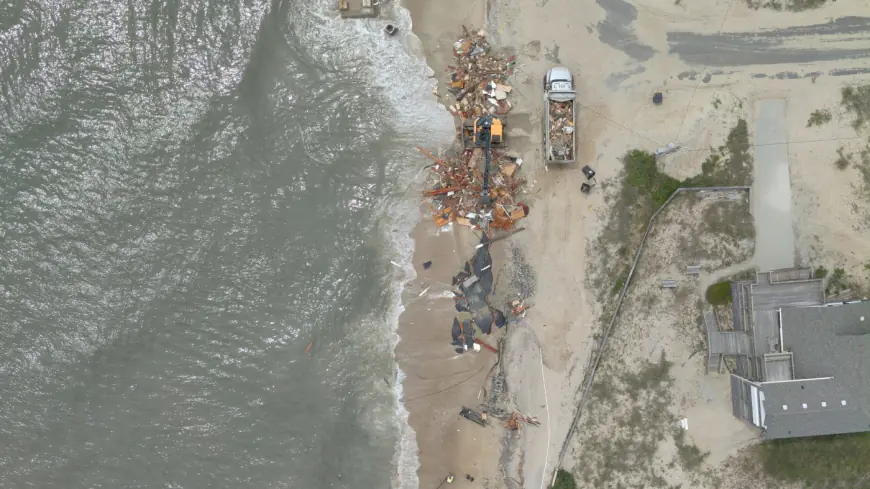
{"points": [[693, 269], [790, 275], [669, 284]]}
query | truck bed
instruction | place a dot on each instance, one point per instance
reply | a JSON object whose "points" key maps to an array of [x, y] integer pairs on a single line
{"points": [[561, 131]]}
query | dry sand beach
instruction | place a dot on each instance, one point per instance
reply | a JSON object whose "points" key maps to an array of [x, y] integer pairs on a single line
{"points": [[717, 63]]}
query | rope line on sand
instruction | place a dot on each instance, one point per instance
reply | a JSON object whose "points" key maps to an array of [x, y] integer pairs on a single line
{"points": [[546, 405]]}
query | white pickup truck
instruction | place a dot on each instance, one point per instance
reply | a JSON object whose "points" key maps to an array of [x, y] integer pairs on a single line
{"points": [[560, 135]]}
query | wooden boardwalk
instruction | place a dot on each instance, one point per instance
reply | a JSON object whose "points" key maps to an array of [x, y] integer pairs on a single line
{"points": [[721, 343]]}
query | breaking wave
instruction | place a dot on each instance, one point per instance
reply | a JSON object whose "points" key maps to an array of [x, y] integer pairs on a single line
{"points": [[396, 69]]}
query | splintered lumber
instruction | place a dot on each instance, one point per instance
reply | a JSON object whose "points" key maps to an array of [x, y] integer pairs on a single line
{"points": [[441, 191], [430, 155], [484, 345]]}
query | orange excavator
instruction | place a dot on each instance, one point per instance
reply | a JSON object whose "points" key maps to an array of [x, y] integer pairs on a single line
{"points": [[475, 132], [484, 132]]}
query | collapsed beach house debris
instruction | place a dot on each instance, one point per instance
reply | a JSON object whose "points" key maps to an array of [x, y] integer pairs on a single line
{"points": [[456, 186], [471, 287], [478, 80], [476, 188], [476, 185]]}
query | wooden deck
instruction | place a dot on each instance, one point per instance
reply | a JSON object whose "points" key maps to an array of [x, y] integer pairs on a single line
{"points": [[720, 343], [790, 275]]}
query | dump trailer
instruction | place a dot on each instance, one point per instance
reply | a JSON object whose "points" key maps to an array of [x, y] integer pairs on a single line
{"points": [[560, 116]]}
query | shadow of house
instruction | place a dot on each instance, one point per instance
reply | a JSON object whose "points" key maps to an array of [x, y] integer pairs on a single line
{"points": [[802, 366]]}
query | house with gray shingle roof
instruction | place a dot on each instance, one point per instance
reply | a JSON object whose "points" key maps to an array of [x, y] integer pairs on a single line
{"points": [[802, 365]]}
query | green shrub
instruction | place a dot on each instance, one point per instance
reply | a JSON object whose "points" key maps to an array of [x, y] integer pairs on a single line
{"points": [[819, 117], [837, 282], [642, 173], [719, 294], [564, 480], [857, 101]]}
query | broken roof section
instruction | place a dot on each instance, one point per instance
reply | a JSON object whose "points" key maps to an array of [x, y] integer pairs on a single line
{"points": [[831, 361]]}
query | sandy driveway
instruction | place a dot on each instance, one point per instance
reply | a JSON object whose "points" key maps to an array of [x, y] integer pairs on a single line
{"points": [[771, 191]]}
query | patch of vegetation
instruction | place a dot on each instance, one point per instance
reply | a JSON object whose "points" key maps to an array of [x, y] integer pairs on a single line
{"points": [[642, 398], [620, 282], [857, 101], [820, 272], [843, 161], [716, 103], [564, 480], [837, 282], [602, 389], [691, 457], [818, 462], [819, 117], [799, 5], [863, 165], [731, 165], [642, 174], [719, 294], [731, 219], [652, 375]]}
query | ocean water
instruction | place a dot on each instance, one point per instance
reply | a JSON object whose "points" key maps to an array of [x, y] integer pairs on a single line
{"points": [[199, 206]]}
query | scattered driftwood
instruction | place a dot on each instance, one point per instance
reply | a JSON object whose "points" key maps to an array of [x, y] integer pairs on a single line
{"points": [[516, 421]]}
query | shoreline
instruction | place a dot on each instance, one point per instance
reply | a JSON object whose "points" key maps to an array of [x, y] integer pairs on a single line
{"points": [[438, 382], [536, 363]]}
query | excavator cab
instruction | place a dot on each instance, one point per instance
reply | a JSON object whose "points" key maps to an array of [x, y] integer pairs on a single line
{"points": [[474, 131]]}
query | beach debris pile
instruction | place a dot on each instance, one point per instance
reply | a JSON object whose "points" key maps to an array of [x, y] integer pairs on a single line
{"points": [[476, 185], [562, 129], [519, 308], [455, 189], [478, 79], [516, 421], [475, 317], [473, 416]]}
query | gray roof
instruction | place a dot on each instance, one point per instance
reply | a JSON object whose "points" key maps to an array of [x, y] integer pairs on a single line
{"points": [[832, 355]]}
